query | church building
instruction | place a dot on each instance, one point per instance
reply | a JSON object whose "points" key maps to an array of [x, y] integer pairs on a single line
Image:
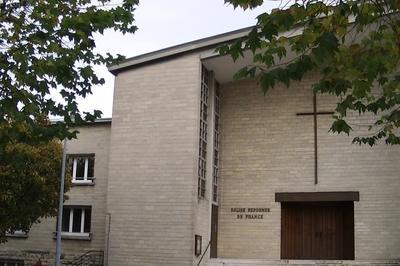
{"points": [[196, 168]]}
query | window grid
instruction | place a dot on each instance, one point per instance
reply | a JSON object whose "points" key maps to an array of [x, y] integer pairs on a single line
{"points": [[202, 164], [82, 168], [76, 220], [216, 143]]}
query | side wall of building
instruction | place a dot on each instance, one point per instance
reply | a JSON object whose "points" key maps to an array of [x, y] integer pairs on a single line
{"points": [[266, 149], [153, 162], [40, 243]]}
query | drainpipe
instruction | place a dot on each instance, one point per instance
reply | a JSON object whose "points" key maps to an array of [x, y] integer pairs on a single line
{"points": [[108, 236]]}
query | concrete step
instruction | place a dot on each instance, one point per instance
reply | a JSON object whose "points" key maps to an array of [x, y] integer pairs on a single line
{"points": [[243, 262]]}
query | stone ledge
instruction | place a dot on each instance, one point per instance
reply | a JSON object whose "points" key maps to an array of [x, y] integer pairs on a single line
{"points": [[74, 236], [80, 183], [17, 235]]}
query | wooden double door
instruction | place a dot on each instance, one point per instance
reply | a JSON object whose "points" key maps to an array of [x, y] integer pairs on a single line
{"points": [[317, 230]]}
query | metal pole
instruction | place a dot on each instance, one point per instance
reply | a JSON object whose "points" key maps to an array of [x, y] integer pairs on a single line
{"points": [[60, 205]]}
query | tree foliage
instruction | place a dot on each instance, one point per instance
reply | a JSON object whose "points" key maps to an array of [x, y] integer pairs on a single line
{"points": [[353, 46], [29, 184], [47, 52]]}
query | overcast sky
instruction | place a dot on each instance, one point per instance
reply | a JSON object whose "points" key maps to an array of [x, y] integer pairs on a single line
{"points": [[164, 23]]}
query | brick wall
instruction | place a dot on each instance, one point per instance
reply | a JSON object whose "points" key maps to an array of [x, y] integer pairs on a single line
{"points": [[152, 186], [266, 148]]}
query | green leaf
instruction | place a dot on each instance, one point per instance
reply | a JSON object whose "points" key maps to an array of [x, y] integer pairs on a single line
{"points": [[245, 4], [340, 126], [242, 73], [267, 81]]}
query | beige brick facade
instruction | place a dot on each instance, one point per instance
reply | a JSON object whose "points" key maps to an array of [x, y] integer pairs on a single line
{"points": [[152, 186], [266, 149], [40, 243]]}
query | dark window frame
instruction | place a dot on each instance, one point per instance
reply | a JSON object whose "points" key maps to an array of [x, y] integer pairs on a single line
{"points": [[85, 223]]}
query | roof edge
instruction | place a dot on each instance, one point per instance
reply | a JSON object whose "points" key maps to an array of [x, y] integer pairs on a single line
{"points": [[190, 46], [179, 49]]}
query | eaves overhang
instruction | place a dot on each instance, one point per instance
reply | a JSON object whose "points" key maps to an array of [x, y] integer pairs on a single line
{"points": [[179, 49]]}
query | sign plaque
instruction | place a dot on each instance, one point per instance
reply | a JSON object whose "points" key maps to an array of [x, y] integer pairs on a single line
{"points": [[250, 213]]}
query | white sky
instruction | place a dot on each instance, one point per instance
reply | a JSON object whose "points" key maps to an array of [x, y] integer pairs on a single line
{"points": [[164, 23]]}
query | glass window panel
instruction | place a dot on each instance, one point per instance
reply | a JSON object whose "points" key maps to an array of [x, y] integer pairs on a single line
{"points": [[203, 131], [206, 76], [203, 154], [76, 224], [65, 220], [216, 142], [216, 158], [71, 164], [88, 217], [199, 187], [80, 168], [203, 187], [90, 166]]}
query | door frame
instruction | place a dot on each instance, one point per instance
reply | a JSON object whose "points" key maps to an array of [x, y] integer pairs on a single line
{"points": [[331, 196]]}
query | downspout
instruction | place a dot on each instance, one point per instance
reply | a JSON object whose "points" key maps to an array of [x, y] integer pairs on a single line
{"points": [[108, 236]]}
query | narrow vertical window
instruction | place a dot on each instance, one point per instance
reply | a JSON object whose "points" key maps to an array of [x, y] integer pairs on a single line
{"points": [[216, 143], [77, 220], [203, 132], [65, 220]]}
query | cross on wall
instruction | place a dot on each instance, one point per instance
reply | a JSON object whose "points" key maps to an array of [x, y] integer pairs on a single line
{"points": [[315, 115]]}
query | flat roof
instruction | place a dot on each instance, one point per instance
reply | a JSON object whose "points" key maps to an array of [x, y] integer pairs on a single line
{"points": [[179, 49]]}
